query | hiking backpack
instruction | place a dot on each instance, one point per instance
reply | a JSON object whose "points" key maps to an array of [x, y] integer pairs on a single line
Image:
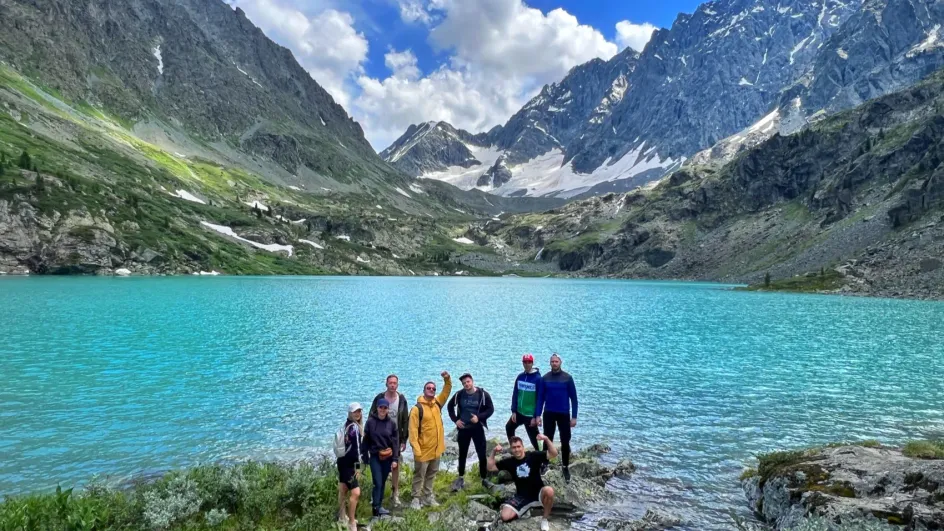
{"points": [[341, 445]]}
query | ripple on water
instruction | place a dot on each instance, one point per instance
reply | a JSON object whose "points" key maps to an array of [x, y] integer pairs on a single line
{"points": [[687, 380]]}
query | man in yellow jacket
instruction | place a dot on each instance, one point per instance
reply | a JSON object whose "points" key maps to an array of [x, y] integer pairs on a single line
{"points": [[428, 439]]}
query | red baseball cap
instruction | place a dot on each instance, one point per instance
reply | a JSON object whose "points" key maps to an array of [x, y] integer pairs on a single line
{"points": [[527, 358]]}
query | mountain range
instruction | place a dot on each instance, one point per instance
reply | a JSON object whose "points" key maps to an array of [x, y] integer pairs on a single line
{"points": [[725, 77], [751, 139]]}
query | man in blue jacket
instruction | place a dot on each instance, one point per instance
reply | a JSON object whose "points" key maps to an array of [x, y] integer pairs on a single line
{"points": [[559, 395], [525, 398]]}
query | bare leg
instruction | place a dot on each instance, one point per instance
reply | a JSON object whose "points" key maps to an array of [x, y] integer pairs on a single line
{"points": [[508, 514], [547, 500], [352, 509]]}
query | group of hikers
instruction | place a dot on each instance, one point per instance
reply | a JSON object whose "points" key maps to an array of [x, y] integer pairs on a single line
{"points": [[549, 400]]}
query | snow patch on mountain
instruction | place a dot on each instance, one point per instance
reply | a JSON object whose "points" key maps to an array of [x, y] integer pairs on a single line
{"points": [[271, 247], [160, 59], [465, 178]]}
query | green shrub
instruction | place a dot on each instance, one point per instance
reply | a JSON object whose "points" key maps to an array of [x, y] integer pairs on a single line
{"points": [[924, 449]]}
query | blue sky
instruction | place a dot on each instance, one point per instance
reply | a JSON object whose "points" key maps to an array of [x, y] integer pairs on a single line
{"points": [[473, 63]]}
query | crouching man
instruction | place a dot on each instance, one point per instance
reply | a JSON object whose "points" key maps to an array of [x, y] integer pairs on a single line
{"points": [[525, 468]]}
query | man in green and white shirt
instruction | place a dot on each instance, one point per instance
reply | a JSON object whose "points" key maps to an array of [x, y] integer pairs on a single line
{"points": [[524, 400]]}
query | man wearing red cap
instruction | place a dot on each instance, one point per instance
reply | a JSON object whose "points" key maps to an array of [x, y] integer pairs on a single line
{"points": [[525, 397]]}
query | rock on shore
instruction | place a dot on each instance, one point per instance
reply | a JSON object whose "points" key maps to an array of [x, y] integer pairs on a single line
{"points": [[843, 482]]}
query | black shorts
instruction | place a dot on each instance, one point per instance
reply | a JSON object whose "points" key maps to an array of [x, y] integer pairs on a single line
{"points": [[347, 474], [522, 504]]}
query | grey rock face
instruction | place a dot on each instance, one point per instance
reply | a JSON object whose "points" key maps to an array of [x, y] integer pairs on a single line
{"points": [[432, 146], [851, 481]]}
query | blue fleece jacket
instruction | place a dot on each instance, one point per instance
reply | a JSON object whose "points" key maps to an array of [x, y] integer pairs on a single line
{"points": [[559, 394]]}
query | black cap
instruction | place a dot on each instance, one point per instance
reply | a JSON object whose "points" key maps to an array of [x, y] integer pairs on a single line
{"points": [[464, 376]]}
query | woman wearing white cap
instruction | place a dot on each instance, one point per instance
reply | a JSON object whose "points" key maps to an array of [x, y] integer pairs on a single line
{"points": [[349, 466]]}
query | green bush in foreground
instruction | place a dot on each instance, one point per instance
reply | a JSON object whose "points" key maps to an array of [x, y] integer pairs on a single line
{"points": [[250, 496], [924, 449]]}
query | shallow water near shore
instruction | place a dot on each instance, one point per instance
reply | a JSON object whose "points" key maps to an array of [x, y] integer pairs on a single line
{"points": [[122, 376]]}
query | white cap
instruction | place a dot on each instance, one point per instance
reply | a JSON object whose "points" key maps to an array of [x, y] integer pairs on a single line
{"points": [[354, 406]]}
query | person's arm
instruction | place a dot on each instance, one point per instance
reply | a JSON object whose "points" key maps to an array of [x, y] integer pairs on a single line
{"points": [[447, 389], [492, 465], [548, 446], [403, 422], [452, 407], [365, 443], [572, 392], [414, 427], [487, 408], [395, 446], [542, 394], [514, 396]]}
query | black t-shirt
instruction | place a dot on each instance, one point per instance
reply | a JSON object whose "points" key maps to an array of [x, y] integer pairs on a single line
{"points": [[526, 473]]}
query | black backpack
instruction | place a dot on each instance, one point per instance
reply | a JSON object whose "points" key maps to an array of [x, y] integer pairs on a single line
{"points": [[419, 413]]}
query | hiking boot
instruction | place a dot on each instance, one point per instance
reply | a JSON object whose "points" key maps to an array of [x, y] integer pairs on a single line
{"points": [[458, 484], [416, 504], [566, 472], [395, 499], [545, 525], [431, 502]]}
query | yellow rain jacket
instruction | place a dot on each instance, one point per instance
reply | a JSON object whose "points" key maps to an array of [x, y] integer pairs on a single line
{"points": [[429, 440]]}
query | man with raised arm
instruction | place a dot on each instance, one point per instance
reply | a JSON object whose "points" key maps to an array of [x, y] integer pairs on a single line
{"points": [[525, 469], [559, 396], [428, 439]]}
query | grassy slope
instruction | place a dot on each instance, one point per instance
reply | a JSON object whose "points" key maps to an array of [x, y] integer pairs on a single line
{"points": [[94, 164]]}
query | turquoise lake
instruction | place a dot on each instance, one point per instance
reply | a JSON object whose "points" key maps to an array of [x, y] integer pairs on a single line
{"points": [[689, 381]]}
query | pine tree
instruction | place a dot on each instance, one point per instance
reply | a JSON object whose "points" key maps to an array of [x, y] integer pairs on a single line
{"points": [[40, 184], [25, 161], [767, 279], [3, 169]]}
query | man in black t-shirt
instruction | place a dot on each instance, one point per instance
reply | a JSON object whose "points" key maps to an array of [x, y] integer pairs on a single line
{"points": [[525, 468]]}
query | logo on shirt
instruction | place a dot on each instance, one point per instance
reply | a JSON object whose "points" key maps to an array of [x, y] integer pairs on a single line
{"points": [[526, 386], [524, 470]]}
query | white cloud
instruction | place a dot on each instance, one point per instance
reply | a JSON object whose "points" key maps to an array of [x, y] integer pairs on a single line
{"points": [[402, 64], [632, 35], [414, 11], [325, 43], [502, 53]]}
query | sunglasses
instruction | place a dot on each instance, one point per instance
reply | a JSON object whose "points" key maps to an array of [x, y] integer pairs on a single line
{"points": [[430, 387]]}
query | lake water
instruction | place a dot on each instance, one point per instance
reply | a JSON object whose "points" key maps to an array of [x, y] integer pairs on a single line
{"points": [[121, 376]]}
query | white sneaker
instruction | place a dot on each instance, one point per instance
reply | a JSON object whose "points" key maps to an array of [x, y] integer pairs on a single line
{"points": [[545, 525], [431, 502], [416, 504], [342, 519], [353, 526], [395, 498]]}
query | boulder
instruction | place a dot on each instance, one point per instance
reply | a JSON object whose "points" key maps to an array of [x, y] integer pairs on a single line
{"points": [[845, 482], [122, 272], [651, 521]]}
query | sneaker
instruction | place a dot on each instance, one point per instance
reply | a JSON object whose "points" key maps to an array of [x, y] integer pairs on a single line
{"points": [[353, 526], [416, 504], [545, 525], [395, 499], [431, 502], [381, 512], [566, 472], [458, 484], [487, 485], [342, 519]]}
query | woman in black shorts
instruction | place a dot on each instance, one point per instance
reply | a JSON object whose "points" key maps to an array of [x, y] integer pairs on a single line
{"points": [[349, 467]]}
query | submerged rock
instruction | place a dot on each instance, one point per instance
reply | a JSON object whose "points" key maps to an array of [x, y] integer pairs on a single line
{"points": [[844, 482]]}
